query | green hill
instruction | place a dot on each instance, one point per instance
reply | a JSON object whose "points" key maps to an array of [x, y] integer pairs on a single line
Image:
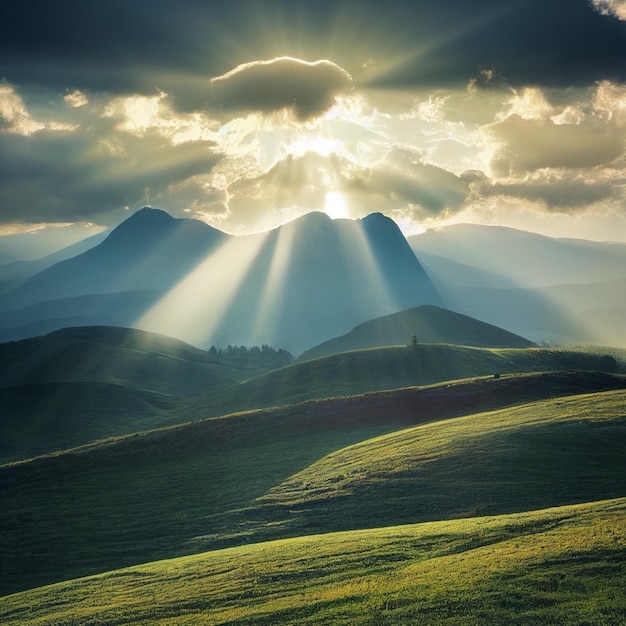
{"points": [[108, 354], [428, 324], [540, 454], [38, 419], [227, 481], [81, 384], [374, 369], [563, 565]]}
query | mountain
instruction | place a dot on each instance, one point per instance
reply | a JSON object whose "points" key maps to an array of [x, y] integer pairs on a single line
{"points": [[526, 259], [297, 285], [16, 272], [428, 324], [149, 251], [293, 287], [555, 290]]}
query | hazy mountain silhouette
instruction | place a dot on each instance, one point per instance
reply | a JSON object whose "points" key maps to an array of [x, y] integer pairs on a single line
{"points": [[150, 250], [336, 274], [428, 324], [292, 287], [558, 290], [16, 272], [527, 259]]}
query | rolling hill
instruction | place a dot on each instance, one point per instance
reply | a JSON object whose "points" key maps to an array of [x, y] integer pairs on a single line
{"points": [[48, 417], [80, 384], [429, 324], [121, 356], [375, 369], [559, 565], [233, 480]]}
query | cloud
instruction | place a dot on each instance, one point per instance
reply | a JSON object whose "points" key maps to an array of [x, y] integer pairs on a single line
{"points": [[308, 89], [401, 184], [562, 191], [615, 8], [403, 181], [14, 117], [91, 172], [529, 145]]}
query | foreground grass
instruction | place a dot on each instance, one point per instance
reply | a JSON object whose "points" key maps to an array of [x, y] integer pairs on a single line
{"points": [[563, 565], [232, 480]]}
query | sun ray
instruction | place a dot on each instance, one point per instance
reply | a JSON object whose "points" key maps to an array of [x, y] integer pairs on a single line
{"points": [[194, 309]]}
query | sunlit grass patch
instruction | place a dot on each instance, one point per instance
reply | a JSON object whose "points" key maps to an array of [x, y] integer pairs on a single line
{"points": [[562, 565]]}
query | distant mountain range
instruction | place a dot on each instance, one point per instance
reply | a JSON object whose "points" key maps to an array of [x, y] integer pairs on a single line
{"points": [[292, 287], [316, 279], [557, 290]]}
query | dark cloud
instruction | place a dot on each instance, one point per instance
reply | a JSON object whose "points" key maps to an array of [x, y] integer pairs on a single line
{"points": [[122, 46], [529, 145], [308, 89], [60, 176]]}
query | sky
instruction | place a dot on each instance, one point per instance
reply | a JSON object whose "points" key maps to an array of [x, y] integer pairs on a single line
{"points": [[248, 114]]}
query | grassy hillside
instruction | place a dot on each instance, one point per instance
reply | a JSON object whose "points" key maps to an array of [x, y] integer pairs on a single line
{"points": [[361, 371], [38, 419], [229, 480], [563, 565], [429, 324], [81, 384], [541, 454], [108, 354]]}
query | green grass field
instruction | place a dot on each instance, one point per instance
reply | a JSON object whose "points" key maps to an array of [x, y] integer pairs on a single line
{"points": [[562, 565], [80, 385], [277, 473], [375, 369]]}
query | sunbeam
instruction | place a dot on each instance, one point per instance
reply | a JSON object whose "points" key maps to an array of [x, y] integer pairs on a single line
{"points": [[272, 300], [194, 309]]}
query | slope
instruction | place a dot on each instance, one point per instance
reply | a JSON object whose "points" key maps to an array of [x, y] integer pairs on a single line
{"points": [[77, 385], [43, 418], [429, 324], [193, 487], [121, 356], [149, 251], [555, 566], [540, 454], [373, 369]]}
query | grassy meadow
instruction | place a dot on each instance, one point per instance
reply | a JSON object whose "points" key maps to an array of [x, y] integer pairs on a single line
{"points": [[563, 565], [374, 369], [286, 472], [143, 481]]}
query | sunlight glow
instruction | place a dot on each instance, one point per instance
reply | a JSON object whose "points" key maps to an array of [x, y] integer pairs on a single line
{"points": [[335, 205], [194, 309]]}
